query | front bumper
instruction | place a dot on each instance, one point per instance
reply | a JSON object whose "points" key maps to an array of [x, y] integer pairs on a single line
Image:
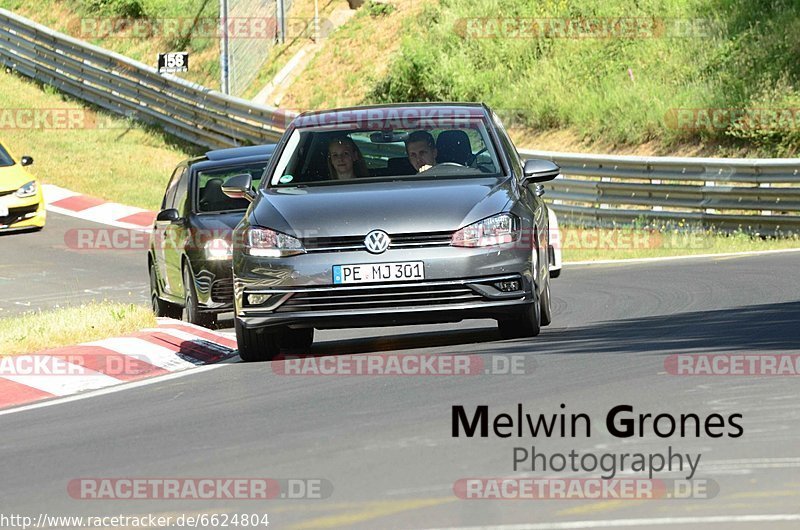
{"points": [[459, 283], [23, 213]]}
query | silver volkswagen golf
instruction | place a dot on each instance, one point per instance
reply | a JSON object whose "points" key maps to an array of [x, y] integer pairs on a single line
{"points": [[391, 215]]}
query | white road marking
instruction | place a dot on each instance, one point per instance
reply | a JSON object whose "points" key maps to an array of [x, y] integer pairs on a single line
{"points": [[661, 521], [110, 390], [65, 383], [146, 351]]}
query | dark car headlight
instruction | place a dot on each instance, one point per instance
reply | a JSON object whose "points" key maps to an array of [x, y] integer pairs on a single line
{"points": [[266, 243], [495, 230], [217, 249], [26, 190]]}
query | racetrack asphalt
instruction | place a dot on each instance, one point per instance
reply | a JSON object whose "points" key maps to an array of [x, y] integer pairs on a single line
{"points": [[43, 270], [384, 442]]}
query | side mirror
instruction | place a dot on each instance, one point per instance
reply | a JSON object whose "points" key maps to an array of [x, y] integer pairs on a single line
{"points": [[537, 170], [26, 160], [170, 215], [239, 187]]}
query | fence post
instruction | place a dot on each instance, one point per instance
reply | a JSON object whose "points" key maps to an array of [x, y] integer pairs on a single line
{"points": [[225, 81]]}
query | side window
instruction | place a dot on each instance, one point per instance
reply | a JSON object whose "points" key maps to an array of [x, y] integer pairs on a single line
{"points": [[508, 146], [181, 192], [169, 194]]}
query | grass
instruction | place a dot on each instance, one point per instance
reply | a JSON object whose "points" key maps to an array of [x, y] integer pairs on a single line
{"points": [[85, 19], [594, 244], [34, 332], [103, 156], [621, 91], [354, 58]]}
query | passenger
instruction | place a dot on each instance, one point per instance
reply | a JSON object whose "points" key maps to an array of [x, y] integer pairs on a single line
{"points": [[421, 150], [345, 160]]}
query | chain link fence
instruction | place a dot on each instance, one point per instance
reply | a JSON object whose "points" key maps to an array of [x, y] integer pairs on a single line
{"points": [[251, 28]]}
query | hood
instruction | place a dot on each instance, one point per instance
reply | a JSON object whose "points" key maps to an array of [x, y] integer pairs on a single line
{"points": [[394, 207], [12, 177]]}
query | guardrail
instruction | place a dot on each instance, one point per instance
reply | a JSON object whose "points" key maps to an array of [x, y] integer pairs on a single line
{"points": [[124, 86], [757, 195]]}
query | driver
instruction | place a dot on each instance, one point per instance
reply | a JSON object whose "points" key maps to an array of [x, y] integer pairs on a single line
{"points": [[421, 150]]}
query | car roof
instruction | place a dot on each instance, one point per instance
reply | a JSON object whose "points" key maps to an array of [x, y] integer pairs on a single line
{"points": [[241, 152], [390, 111]]}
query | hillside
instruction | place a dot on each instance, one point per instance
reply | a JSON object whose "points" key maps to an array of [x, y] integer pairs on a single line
{"points": [[91, 152], [688, 77], [674, 74]]}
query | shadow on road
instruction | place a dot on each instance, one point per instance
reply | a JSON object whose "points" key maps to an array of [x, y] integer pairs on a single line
{"points": [[771, 327]]}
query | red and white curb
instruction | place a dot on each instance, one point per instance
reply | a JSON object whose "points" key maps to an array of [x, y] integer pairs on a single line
{"points": [[67, 202], [173, 346]]}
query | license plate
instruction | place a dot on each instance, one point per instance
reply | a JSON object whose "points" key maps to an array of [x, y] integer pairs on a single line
{"points": [[3, 211], [379, 272]]}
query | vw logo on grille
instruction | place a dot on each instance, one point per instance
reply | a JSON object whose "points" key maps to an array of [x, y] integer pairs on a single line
{"points": [[377, 241]]}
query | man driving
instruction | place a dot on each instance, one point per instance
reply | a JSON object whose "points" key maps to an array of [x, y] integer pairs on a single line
{"points": [[421, 150]]}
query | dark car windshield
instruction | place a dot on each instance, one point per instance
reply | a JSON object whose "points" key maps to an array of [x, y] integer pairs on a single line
{"points": [[209, 187], [5, 158], [349, 153]]}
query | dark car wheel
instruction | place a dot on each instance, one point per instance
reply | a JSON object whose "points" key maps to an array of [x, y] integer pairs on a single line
{"points": [[161, 308], [191, 309], [256, 344], [546, 311], [526, 324], [297, 339]]}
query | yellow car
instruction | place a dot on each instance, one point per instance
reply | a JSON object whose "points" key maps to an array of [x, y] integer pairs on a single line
{"points": [[21, 200]]}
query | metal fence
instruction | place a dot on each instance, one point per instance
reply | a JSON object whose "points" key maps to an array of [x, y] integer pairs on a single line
{"points": [[758, 195], [252, 29], [127, 87]]}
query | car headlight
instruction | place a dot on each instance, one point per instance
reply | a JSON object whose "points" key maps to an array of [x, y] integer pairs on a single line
{"points": [[217, 249], [496, 230], [27, 190], [267, 243]]}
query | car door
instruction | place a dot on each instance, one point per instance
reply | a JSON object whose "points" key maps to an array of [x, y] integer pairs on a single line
{"points": [[160, 242], [177, 235]]}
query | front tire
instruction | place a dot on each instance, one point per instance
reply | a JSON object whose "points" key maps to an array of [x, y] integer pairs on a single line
{"points": [[161, 308], [297, 339], [256, 345], [546, 310], [191, 308], [528, 323]]}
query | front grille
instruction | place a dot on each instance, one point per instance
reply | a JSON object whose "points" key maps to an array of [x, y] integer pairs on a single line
{"points": [[383, 297], [18, 214], [7, 192], [345, 243], [222, 291]]}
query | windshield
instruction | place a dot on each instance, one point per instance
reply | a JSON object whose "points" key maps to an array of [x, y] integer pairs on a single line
{"points": [[209, 187], [5, 158], [342, 155]]}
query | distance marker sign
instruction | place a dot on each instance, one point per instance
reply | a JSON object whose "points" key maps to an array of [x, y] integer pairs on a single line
{"points": [[170, 63]]}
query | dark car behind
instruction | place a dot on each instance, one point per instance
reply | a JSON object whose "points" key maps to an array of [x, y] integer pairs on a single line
{"points": [[189, 261]]}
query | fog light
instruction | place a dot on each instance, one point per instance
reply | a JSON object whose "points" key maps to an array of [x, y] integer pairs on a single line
{"points": [[508, 286], [257, 299]]}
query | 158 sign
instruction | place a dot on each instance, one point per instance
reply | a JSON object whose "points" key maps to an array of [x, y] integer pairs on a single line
{"points": [[170, 63]]}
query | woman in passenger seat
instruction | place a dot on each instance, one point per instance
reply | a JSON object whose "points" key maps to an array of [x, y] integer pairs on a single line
{"points": [[345, 160]]}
